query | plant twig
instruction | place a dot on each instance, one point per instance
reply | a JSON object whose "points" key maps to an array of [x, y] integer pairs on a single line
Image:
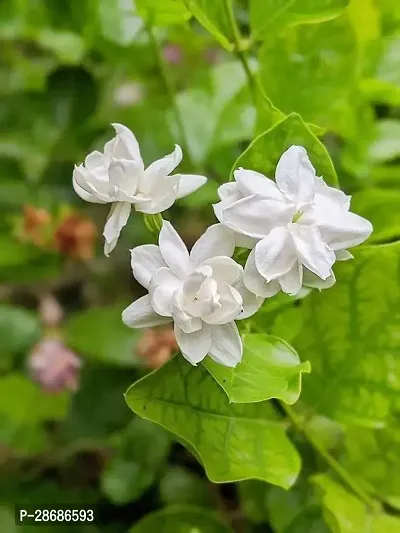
{"points": [[331, 461]]}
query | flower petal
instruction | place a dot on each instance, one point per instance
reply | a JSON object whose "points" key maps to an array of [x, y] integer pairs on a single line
{"points": [[255, 283], [189, 183], [140, 314], [311, 249], [344, 229], [224, 269], [255, 215], [163, 284], [231, 305], [343, 255], [226, 348], [173, 250], [292, 281], [125, 145], [251, 302], [275, 254], [295, 175], [145, 261], [87, 181], [161, 198], [94, 159], [216, 241], [84, 193], [183, 321], [229, 190], [117, 219], [315, 282], [194, 346], [160, 169], [335, 195], [251, 182], [124, 176]]}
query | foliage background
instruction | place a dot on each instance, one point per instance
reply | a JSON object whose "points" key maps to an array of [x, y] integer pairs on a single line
{"points": [[211, 76]]}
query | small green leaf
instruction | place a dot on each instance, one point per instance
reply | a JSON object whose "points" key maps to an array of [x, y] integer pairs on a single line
{"points": [[213, 16], [270, 368], [99, 334], [264, 152], [163, 12], [142, 450], [267, 15], [19, 330], [234, 441], [181, 486], [387, 141], [119, 21], [185, 519]]}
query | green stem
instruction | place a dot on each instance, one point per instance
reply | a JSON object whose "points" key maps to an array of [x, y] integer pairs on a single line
{"points": [[239, 52], [331, 461], [169, 88]]}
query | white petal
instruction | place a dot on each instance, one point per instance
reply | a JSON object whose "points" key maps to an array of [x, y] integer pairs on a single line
{"points": [[194, 346], [275, 254], [243, 241], [173, 250], [344, 229], [163, 284], [182, 320], [145, 261], [255, 216], [224, 269], [189, 183], [315, 282], [161, 198], [292, 281], [160, 169], [226, 347], [251, 302], [193, 282], [124, 175], [125, 146], [311, 249], [229, 190], [87, 195], [343, 255], [94, 159], [216, 241], [140, 314], [295, 175], [335, 195], [117, 219], [251, 182], [255, 283], [231, 305]]}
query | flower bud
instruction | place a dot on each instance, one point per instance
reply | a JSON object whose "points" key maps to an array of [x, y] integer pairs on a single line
{"points": [[75, 237]]}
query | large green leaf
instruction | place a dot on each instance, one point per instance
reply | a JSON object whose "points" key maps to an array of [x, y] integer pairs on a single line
{"points": [[311, 70], [264, 152], [142, 450], [345, 513], [183, 519], [270, 368], [381, 207], [350, 335], [234, 441], [268, 15], [99, 334], [213, 16]]}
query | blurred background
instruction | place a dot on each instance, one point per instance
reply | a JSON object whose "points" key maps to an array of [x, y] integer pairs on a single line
{"points": [[68, 68]]}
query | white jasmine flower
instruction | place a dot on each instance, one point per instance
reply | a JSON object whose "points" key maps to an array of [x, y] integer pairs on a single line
{"points": [[118, 176], [298, 225], [202, 292]]}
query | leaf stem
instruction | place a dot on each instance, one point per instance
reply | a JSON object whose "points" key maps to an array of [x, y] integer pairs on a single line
{"points": [[239, 52], [169, 88], [331, 461]]}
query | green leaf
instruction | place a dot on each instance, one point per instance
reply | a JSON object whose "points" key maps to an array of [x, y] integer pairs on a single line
{"points": [[142, 450], [119, 21], [68, 46], [386, 145], [310, 70], [345, 513], [264, 152], [268, 15], [380, 207], [234, 441], [350, 337], [181, 486], [181, 520], [99, 334], [270, 368], [213, 16], [163, 12], [19, 330]]}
